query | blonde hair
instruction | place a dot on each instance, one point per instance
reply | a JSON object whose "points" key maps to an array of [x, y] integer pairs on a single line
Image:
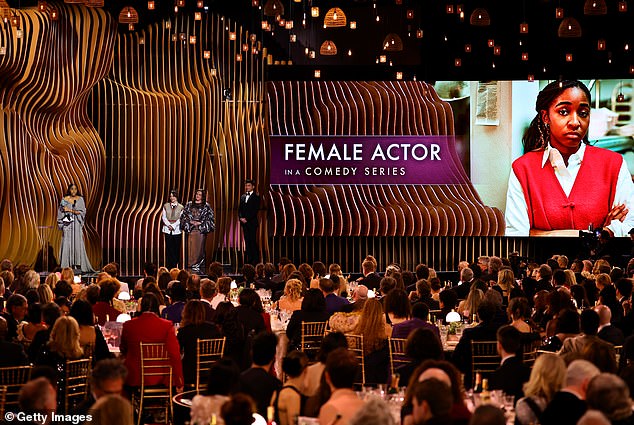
{"points": [[473, 301], [547, 377], [68, 275], [506, 279], [64, 338], [571, 279], [372, 325], [335, 269], [51, 280], [46, 293], [174, 273], [603, 279], [31, 279], [293, 289], [112, 409]]}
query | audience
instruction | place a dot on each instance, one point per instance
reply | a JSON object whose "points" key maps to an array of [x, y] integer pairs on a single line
{"points": [[222, 383], [289, 401], [432, 401], [512, 373], [340, 374]]}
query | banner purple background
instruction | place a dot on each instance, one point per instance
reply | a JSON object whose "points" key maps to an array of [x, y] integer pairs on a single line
{"points": [[438, 167]]}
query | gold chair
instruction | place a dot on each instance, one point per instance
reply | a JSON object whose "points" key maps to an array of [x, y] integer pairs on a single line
{"points": [[208, 351], [3, 399], [76, 389], [12, 378], [618, 350], [312, 334], [484, 358], [355, 344], [435, 316], [397, 353], [529, 352], [155, 362]]}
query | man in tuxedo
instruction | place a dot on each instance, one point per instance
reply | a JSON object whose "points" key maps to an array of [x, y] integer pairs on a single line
{"points": [[512, 373], [248, 214], [464, 286], [371, 279], [607, 331], [569, 404]]}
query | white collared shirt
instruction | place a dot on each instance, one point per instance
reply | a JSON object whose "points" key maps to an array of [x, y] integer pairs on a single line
{"points": [[176, 225], [516, 215]]}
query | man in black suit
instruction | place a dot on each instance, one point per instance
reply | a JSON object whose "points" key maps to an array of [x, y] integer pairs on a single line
{"points": [[248, 214], [512, 373], [257, 381], [370, 278], [569, 404], [12, 353], [464, 286], [607, 331]]}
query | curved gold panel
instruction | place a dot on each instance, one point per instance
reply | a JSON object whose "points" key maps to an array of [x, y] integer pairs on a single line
{"points": [[372, 108]]}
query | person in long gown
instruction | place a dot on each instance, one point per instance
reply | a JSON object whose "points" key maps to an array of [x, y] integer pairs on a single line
{"points": [[71, 215], [197, 220]]}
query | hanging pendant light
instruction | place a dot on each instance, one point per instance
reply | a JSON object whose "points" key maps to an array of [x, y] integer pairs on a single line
{"points": [[128, 15], [335, 18], [569, 28], [595, 7], [480, 18], [392, 43], [328, 48], [273, 8]]}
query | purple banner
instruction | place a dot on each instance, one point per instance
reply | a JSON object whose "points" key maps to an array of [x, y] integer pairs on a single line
{"points": [[371, 160]]}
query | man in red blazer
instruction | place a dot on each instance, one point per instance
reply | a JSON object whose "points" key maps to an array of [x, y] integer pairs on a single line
{"points": [[149, 327]]}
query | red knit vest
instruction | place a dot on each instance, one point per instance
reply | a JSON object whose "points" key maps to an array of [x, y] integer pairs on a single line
{"points": [[590, 199]]}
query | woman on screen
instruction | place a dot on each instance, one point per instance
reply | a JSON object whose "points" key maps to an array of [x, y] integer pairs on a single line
{"points": [[70, 219], [562, 182]]}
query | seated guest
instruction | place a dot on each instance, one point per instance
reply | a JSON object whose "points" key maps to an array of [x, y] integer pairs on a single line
{"points": [[589, 328], [607, 297], [371, 278], [257, 381], [178, 294], [547, 377], [423, 295], [600, 354], [486, 330], [593, 417], [222, 383], [610, 395], [468, 308], [192, 328], [334, 302], [569, 404], [422, 344], [464, 285], [15, 312], [224, 287], [104, 309], [292, 298], [38, 396], [397, 306], [50, 313], [314, 372], [448, 300], [512, 373], [359, 297], [607, 331], [239, 409], [567, 326], [375, 332], [432, 401], [420, 313], [106, 378], [112, 409], [148, 327], [341, 371], [375, 411], [313, 310], [488, 415], [289, 401], [12, 353], [207, 293], [33, 324], [251, 313], [90, 337], [519, 312]]}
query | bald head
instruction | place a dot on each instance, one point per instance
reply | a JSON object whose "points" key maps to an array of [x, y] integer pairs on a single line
{"points": [[605, 315], [435, 373], [361, 293]]}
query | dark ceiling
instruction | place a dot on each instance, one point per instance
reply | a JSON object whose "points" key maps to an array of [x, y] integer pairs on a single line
{"points": [[432, 57]]}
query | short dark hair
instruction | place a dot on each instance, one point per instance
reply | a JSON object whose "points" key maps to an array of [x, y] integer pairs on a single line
{"points": [[223, 377], [387, 284], [294, 363], [319, 268], [342, 367], [625, 287], [107, 369], [420, 311], [150, 303], [567, 321], [488, 415], [486, 311], [423, 344], [326, 285], [436, 393], [422, 272], [82, 312], [423, 288], [249, 181], [50, 313], [248, 271], [238, 410], [449, 298], [329, 343], [559, 277], [63, 289], [397, 303], [150, 268], [15, 300], [589, 322], [264, 346], [314, 300], [510, 339], [178, 291]]}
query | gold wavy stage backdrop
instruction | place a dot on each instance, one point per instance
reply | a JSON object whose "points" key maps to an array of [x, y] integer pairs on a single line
{"points": [[127, 116]]}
